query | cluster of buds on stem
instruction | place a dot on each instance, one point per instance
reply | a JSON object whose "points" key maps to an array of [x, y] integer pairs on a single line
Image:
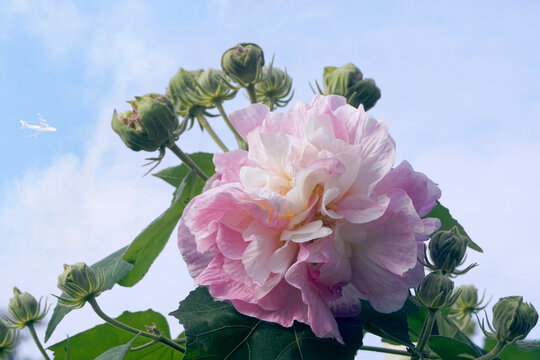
{"points": [[24, 310], [348, 81], [9, 338], [79, 282]]}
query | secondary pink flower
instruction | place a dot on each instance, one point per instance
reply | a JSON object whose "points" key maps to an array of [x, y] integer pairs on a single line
{"points": [[311, 219]]}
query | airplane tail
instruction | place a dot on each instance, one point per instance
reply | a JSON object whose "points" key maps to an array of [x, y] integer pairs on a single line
{"points": [[23, 124]]}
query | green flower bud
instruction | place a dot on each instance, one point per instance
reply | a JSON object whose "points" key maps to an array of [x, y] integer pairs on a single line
{"points": [[243, 63], [79, 282], [447, 251], [151, 125], [214, 88], [436, 292], [24, 309], [348, 81], [8, 339], [513, 319], [183, 92], [466, 305], [275, 87]]}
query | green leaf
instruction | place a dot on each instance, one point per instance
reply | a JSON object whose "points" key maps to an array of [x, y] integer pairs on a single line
{"points": [[511, 353], [174, 175], [150, 242], [448, 222], [114, 269], [215, 330], [451, 349], [94, 342], [393, 327], [116, 353]]}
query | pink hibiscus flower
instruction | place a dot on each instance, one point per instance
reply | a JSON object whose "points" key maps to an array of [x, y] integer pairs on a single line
{"points": [[311, 220]]}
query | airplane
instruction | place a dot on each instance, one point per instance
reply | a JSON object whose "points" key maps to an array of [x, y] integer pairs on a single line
{"points": [[42, 127]]}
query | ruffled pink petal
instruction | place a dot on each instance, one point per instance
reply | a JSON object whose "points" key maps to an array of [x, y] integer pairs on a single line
{"points": [[263, 242], [348, 304], [195, 260], [422, 191], [319, 316], [248, 119], [228, 165]]}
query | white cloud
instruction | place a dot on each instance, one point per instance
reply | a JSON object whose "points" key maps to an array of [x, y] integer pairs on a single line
{"points": [[57, 23]]}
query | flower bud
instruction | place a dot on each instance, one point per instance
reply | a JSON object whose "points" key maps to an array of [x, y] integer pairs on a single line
{"points": [[447, 251], [183, 91], [243, 63], [436, 292], [348, 81], [150, 126], [513, 319], [8, 339], [79, 282], [24, 309], [214, 88], [466, 305], [275, 87]]}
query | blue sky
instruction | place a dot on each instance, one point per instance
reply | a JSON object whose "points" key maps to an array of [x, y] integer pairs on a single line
{"points": [[461, 94]]}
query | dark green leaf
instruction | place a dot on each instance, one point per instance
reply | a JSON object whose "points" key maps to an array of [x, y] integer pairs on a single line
{"points": [[511, 353], [393, 326], [174, 175], [416, 321], [215, 330], [93, 342], [148, 244], [114, 268], [116, 353], [451, 349], [448, 328], [448, 222]]}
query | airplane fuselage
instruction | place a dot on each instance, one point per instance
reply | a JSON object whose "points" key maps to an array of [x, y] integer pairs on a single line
{"points": [[40, 128]]}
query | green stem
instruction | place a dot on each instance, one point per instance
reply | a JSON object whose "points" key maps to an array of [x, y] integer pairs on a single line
{"points": [[204, 123], [30, 327], [239, 139], [494, 352], [162, 339], [250, 88], [426, 332], [384, 350], [388, 351], [187, 160], [144, 346]]}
